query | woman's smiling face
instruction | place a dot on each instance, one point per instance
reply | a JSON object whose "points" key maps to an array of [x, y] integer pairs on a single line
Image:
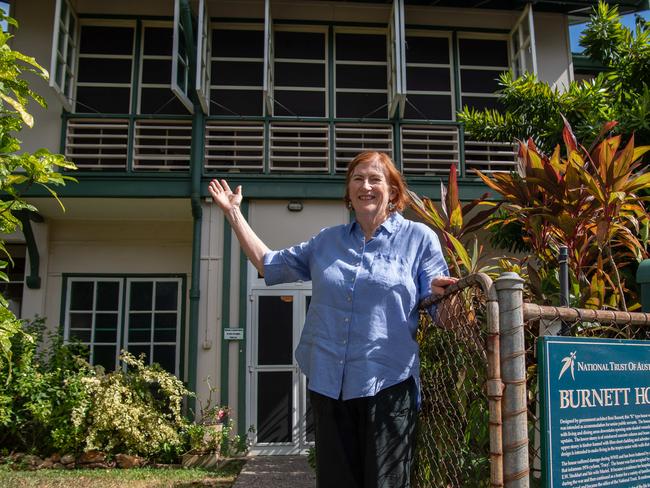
{"points": [[369, 190]]}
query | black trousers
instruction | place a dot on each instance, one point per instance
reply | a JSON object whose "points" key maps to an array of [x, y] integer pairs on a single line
{"points": [[366, 442]]}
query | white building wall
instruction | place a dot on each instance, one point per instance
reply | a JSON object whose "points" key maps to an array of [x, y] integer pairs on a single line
{"points": [[34, 38], [280, 228], [555, 65]]}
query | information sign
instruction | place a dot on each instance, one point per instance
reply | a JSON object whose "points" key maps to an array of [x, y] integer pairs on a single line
{"points": [[233, 334], [595, 396]]}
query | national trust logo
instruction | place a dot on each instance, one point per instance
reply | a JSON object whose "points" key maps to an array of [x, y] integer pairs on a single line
{"points": [[568, 361]]}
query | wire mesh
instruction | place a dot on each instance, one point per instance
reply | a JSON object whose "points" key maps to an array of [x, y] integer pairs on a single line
{"points": [[453, 438], [544, 320]]}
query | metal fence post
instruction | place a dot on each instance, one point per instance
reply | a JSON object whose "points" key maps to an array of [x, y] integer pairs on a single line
{"points": [[509, 288]]}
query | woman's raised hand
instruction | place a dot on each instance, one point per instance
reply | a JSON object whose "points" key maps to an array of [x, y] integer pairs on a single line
{"points": [[224, 196]]}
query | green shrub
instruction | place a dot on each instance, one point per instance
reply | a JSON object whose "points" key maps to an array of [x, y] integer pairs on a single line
{"points": [[138, 411], [53, 400], [39, 391]]}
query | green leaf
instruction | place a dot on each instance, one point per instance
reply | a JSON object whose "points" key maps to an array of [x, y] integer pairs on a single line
{"points": [[459, 251], [19, 107]]}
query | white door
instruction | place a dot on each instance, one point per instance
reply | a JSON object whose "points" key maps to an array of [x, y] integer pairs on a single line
{"points": [[279, 407]]}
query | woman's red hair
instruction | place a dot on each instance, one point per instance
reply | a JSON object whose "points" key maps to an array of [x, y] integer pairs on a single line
{"points": [[394, 178]]}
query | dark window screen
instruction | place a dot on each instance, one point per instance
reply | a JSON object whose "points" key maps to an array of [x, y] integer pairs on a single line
{"points": [[357, 105], [158, 41], [360, 47], [107, 295], [479, 81], [166, 295], [299, 45], [156, 71], [165, 355], [479, 103], [308, 104], [102, 70], [238, 43], [161, 101], [299, 74], [275, 334], [81, 295], [106, 40], [428, 79], [350, 76], [430, 107], [427, 50], [103, 99], [141, 295], [483, 52], [237, 73], [274, 406], [236, 102]]}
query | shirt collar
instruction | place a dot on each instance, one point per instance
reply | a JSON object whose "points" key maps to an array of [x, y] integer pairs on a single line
{"points": [[390, 225]]}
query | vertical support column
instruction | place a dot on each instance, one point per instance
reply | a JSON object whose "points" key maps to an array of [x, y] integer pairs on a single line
{"points": [[210, 308], [509, 288]]}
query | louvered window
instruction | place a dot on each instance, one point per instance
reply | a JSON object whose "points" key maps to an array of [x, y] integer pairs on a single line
{"points": [[234, 146], [429, 149], [162, 145], [100, 144], [299, 147], [351, 139]]}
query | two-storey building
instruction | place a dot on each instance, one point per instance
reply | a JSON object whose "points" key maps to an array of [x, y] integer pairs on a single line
{"points": [[154, 98]]}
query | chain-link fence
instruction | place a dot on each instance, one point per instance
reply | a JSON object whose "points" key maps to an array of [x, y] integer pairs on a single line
{"points": [[544, 320], [455, 416]]}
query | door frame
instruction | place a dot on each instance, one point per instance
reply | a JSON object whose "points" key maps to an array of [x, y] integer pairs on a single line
{"points": [[300, 290]]}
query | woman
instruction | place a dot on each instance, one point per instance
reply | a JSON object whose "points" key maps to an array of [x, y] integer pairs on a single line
{"points": [[358, 348]]}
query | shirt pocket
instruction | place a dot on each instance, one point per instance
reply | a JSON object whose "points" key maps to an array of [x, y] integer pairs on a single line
{"points": [[389, 269]]}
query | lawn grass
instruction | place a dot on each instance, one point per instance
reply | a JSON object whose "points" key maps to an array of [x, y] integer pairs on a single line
{"points": [[118, 478]]}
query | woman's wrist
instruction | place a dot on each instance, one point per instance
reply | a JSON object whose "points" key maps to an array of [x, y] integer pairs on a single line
{"points": [[233, 214]]}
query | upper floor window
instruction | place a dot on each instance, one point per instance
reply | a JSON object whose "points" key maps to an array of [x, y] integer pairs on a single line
{"points": [[108, 72], [482, 59], [361, 74], [300, 73], [105, 74], [237, 70], [113, 78], [156, 96], [428, 77]]}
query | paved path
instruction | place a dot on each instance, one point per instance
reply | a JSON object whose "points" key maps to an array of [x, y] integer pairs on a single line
{"points": [[276, 472]]}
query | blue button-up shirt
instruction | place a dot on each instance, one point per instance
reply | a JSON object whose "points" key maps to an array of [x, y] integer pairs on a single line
{"points": [[359, 334]]}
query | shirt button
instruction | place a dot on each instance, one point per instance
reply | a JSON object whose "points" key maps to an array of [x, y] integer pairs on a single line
{"points": [[345, 341], [340, 362], [347, 319]]}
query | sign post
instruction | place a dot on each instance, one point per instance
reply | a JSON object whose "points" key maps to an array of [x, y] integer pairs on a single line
{"points": [[595, 412]]}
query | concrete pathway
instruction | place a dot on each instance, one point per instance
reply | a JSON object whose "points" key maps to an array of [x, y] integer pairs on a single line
{"points": [[276, 472]]}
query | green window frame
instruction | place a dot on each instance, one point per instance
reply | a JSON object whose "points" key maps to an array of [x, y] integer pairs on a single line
{"points": [[140, 314], [63, 63], [180, 74], [203, 57]]}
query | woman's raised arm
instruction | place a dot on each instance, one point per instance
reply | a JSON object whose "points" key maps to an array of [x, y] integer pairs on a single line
{"points": [[229, 202]]}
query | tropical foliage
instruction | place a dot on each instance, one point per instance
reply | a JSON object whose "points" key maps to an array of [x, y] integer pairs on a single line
{"points": [[532, 108], [19, 171], [457, 224], [589, 201]]}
